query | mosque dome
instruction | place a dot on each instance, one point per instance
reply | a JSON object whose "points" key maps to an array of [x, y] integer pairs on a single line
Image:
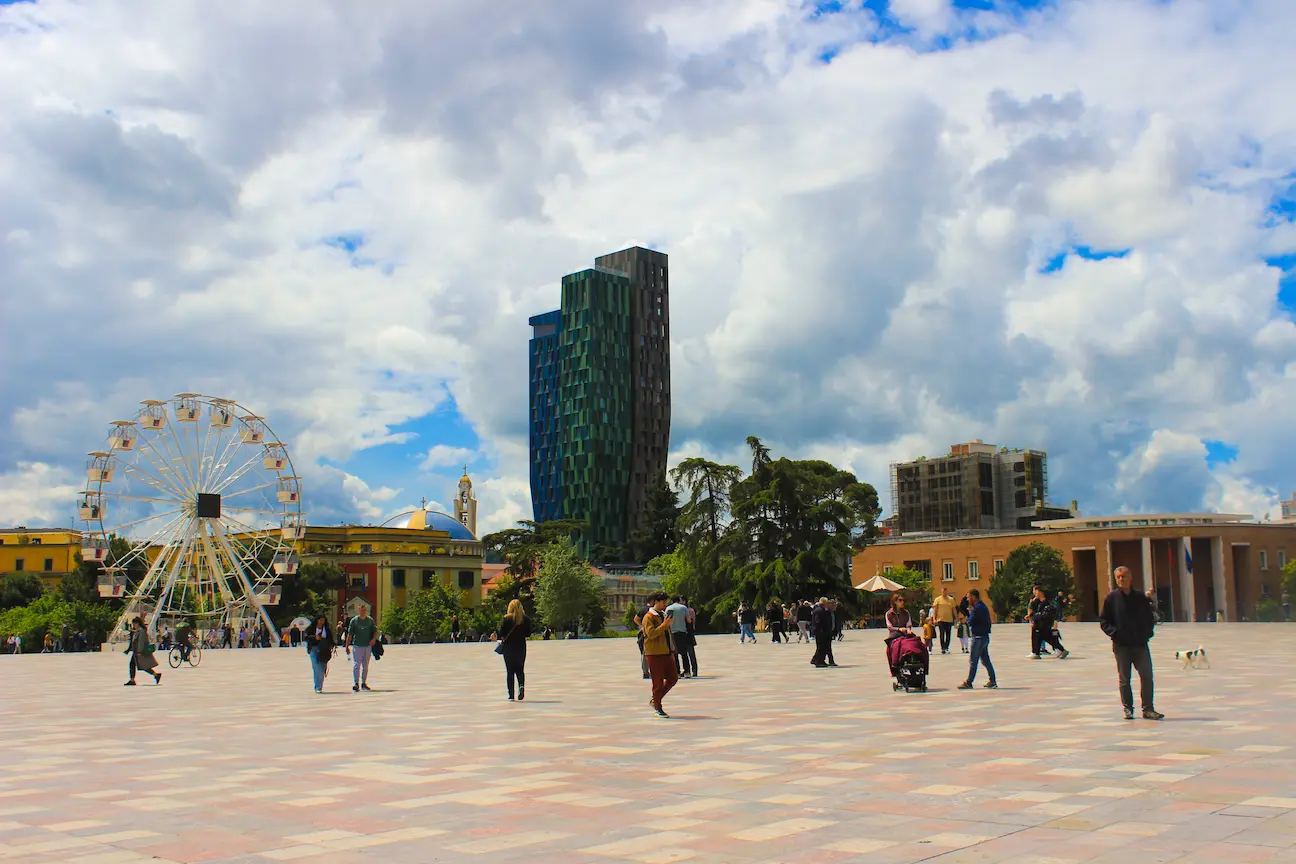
{"points": [[431, 520]]}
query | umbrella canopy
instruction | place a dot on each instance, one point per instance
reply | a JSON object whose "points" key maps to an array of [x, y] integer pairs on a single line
{"points": [[880, 583], [301, 622]]}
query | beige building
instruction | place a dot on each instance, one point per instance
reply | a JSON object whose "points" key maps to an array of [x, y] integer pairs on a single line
{"points": [[1199, 563]]}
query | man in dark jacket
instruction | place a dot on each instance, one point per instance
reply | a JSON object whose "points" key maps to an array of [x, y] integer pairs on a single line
{"points": [[979, 623], [823, 633], [1127, 620], [1043, 618]]}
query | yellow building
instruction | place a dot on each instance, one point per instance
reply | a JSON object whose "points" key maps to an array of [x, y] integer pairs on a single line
{"points": [[50, 553], [392, 562]]}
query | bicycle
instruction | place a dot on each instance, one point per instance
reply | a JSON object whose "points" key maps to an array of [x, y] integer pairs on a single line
{"points": [[182, 653]]}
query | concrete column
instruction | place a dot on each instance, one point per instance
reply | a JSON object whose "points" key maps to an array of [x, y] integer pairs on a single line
{"points": [[1107, 566], [1147, 563], [1187, 596], [1223, 596]]}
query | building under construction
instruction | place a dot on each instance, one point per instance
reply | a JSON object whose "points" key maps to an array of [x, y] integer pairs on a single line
{"points": [[976, 487]]}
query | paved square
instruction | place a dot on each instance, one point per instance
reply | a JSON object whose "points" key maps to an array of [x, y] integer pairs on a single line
{"points": [[765, 760]]}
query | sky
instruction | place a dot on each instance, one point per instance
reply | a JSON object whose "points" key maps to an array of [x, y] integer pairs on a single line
{"points": [[893, 225]]}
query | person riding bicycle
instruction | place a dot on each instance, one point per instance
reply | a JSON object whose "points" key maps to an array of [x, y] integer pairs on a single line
{"points": [[184, 640]]}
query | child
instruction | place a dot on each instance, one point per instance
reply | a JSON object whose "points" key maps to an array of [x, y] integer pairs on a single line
{"points": [[929, 628], [963, 633]]}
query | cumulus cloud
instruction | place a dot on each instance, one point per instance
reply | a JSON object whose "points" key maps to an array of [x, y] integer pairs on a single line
{"points": [[37, 494], [444, 456], [884, 234]]}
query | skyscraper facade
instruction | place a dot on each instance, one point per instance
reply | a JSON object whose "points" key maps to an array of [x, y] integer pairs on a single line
{"points": [[600, 396]]}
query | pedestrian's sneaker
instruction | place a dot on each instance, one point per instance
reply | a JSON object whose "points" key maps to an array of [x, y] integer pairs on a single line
{"points": [[966, 685], [990, 685], [1034, 656], [364, 686], [355, 688], [662, 713], [1063, 654], [1152, 714], [1129, 713]]}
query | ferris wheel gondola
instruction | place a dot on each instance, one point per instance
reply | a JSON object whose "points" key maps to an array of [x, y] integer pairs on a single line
{"points": [[205, 510]]}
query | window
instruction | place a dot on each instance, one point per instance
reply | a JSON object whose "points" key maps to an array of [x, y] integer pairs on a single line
{"points": [[886, 568], [974, 571], [1282, 558], [398, 578], [49, 565], [998, 564], [20, 563], [466, 580], [366, 548], [428, 576], [36, 541], [357, 580], [947, 571], [1264, 560]]}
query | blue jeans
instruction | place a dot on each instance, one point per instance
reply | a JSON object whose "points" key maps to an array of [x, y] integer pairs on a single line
{"points": [[317, 669], [746, 631], [980, 653]]}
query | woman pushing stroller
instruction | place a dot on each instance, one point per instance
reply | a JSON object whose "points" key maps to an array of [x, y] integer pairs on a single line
{"points": [[902, 643]]}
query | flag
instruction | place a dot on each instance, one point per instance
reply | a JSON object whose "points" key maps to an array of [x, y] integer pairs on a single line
{"points": [[1187, 541]]}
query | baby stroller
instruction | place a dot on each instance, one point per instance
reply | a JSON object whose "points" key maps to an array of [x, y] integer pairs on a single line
{"points": [[910, 663]]}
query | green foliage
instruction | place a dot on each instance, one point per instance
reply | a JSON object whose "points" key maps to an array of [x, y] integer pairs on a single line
{"points": [[674, 570], [658, 534], [393, 621], [428, 613], [19, 589], [48, 613], [1269, 609], [309, 593], [1288, 583], [566, 591], [1026, 566], [918, 587]]}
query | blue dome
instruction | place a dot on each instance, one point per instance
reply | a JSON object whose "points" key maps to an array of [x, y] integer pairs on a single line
{"points": [[431, 520]]}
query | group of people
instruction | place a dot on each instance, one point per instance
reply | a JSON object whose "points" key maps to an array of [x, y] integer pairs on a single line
{"points": [[781, 621], [68, 641]]}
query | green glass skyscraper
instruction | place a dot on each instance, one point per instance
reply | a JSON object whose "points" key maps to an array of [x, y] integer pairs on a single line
{"points": [[600, 396]]}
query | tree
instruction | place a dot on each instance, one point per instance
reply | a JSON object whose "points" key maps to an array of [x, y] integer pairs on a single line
{"points": [[673, 568], [19, 589], [1026, 566], [704, 516], [566, 591], [310, 592], [428, 613], [657, 535], [393, 621], [918, 587]]}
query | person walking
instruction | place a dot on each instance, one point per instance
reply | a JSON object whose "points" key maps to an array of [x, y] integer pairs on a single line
{"points": [[823, 633], [678, 613], [963, 633], [319, 648], [945, 609], [643, 658], [1043, 618], [656, 630], [979, 623], [141, 652], [1127, 620], [804, 612], [513, 630], [1286, 604], [454, 627], [774, 619], [361, 634], [746, 623]]}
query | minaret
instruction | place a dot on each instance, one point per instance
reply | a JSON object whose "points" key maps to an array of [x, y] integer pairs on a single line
{"points": [[465, 507]]}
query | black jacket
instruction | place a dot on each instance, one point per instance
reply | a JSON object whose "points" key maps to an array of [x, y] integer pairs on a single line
{"points": [[513, 636], [822, 622], [1127, 618], [1042, 614]]}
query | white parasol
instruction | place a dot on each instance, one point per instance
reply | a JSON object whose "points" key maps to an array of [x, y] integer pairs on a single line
{"points": [[879, 584], [301, 622]]}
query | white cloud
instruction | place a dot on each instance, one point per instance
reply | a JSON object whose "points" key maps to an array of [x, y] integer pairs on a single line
{"points": [[444, 456], [38, 495], [854, 245]]}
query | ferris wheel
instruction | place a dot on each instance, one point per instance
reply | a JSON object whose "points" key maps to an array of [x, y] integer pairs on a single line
{"points": [[194, 510]]}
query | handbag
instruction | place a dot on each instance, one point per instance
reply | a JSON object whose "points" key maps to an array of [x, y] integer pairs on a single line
{"points": [[149, 648]]}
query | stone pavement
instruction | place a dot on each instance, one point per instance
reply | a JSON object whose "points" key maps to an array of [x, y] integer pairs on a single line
{"points": [[765, 760]]}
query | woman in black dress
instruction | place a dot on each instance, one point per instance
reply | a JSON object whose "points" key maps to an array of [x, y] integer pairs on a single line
{"points": [[513, 631]]}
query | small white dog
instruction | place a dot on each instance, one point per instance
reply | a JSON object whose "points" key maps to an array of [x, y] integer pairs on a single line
{"points": [[1194, 659]]}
